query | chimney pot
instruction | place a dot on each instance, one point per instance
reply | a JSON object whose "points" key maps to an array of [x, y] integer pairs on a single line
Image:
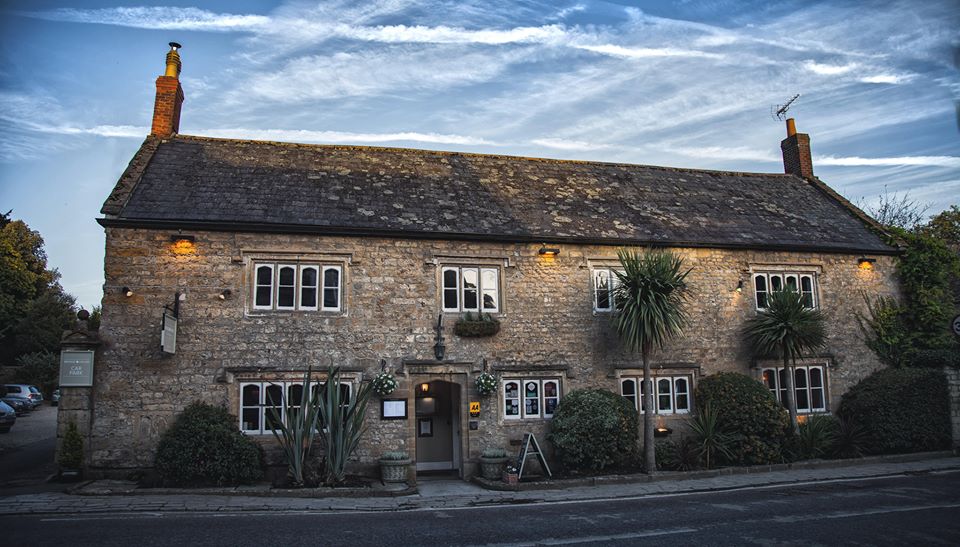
{"points": [[796, 152], [166, 108]]}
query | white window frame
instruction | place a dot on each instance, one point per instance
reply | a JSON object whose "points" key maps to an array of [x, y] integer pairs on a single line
{"points": [[322, 281], [783, 278], [779, 389], [482, 289], [639, 389], [257, 285], [318, 287], [262, 406], [612, 283], [298, 286], [521, 398]]}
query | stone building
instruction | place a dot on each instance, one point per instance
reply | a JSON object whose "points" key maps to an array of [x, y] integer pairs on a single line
{"points": [[286, 256]]}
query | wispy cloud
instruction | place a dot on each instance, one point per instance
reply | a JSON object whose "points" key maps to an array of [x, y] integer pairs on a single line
{"points": [[827, 69], [929, 161], [564, 144], [646, 52], [307, 136], [887, 78], [160, 17]]}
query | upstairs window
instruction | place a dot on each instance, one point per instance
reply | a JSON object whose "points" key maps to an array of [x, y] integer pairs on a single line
{"points": [[470, 288], [605, 282], [803, 284], [303, 287]]}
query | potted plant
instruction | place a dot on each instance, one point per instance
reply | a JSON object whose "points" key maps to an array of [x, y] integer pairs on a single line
{"points": [[384, 383], [491, 462], [486, 383], [70, 457], [393, 466], [474, 326]]}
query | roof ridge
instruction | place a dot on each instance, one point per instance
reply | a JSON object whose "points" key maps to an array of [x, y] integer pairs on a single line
{"points": [[475, 154]]}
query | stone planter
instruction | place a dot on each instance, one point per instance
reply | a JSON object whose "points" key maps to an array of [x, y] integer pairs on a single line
{"points": [[394, 470], [491, 468]]}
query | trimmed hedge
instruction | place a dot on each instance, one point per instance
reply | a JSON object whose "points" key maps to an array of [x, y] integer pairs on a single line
{"points": [[593, 429], [748, 411], [204, 447], [902, 410]]}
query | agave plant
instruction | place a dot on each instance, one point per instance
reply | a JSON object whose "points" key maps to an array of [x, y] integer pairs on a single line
{"points": [[711, 437], [295, 435], [343, 425], [649, 300], [786, 329]]}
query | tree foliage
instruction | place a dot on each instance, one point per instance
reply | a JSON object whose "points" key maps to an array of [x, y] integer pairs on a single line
{"points": [[34, 310], [915, 332], [649, 298], [787, 330]]}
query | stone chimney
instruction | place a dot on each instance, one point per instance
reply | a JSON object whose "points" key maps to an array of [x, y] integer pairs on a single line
{"points": [[796, 152], [166, 109]]}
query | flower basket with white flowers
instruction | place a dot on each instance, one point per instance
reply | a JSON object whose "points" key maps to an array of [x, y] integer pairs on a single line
{"points": [[486, 383], [384, 383]]}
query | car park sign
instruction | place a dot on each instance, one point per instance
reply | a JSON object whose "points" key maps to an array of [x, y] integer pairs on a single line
{"points": [[76, 368]]}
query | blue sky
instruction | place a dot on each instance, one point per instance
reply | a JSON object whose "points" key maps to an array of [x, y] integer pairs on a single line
{"points": [[686, 84]]}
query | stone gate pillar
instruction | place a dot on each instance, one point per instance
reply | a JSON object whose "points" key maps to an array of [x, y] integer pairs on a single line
{"points": [[78, 350]]}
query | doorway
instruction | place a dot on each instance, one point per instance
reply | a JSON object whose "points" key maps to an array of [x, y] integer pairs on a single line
{"points": [[437, 426]]}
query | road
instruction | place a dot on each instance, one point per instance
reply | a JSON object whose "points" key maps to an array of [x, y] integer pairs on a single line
{"points": [[915, 510]]}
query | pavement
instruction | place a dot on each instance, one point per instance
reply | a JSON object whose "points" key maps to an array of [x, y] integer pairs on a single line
{"points": [[118, 497]]}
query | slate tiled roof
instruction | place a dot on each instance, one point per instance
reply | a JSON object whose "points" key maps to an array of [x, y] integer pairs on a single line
{"points": [[259, 185]]}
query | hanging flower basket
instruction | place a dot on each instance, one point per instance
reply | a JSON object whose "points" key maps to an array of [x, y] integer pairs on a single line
{"points": [[486, 383], [384, 384], [475, 326]]}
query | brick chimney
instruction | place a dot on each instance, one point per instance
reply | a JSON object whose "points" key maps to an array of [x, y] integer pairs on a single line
{"points": [[796, 152], [166, 109]]}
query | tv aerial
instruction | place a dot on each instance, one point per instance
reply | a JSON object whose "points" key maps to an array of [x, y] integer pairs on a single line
{"points": [[780, 111]]}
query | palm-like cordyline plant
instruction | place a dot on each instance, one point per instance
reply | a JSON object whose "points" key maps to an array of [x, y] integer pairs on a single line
{"points": [[649, 299], [786, 329]]}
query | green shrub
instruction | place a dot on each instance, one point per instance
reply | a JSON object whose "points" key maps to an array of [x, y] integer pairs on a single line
{"points": [[204, 447], [746, 409], [71, 451], [902, 410], [493, 453], [593, 429], [851, 439], [816, 437], [682, 455], [936, 358], [712, 439]]}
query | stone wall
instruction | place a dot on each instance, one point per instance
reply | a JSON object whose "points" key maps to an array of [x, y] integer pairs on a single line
{"points": [[391, 301]]}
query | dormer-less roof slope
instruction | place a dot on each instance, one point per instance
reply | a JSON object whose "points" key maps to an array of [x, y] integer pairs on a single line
{"points": [[204, 183]]}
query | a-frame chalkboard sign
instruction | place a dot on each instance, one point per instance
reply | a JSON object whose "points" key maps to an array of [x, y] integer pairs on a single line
{"points": [[531, 448]]}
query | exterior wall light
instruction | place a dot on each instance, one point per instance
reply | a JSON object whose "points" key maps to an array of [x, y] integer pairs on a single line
{"points": [[225, 294], [183, 244], [424, 388], [548, 251], [126, 291], [739, 288], [866, 263]]}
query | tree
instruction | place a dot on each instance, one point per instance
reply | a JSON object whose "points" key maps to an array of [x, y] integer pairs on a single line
{"points": [[897, 211], [34, 310], [786, 329], [649, 300]]}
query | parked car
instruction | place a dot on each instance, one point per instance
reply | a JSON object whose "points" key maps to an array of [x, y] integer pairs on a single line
{"points": [[55, 398], [8, 417], [35, 390], [20, 406], [22, 391]]}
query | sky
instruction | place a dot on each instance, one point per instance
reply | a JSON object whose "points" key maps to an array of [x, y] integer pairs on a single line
{"points": [[683, 84]]}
